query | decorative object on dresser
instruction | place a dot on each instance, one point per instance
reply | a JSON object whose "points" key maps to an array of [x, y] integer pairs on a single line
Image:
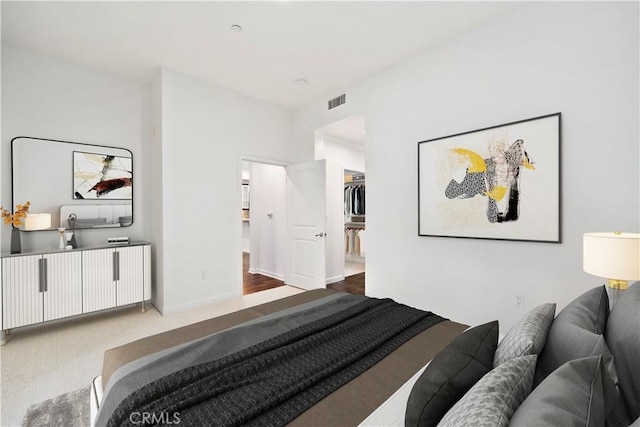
{"points": [[62, 243], [485, 183], [41, 221], [71, 220], [43, 286], [615, 256], [15, 220], [118, 240]]}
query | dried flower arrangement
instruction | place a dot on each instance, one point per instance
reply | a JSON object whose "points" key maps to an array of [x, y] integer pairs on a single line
{"points": [[16, 219]]}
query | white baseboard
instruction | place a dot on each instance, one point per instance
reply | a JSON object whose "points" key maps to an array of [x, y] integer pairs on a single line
{"points": [[335, 279], [199, 303], [267, 273]]}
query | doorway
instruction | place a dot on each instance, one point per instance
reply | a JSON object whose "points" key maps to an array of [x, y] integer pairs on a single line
{"points": [[342, 144], [264, 233], [263, 225], [354, 222]]}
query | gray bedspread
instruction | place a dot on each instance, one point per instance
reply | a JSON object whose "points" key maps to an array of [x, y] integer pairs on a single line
{"points": [[264, 371]]}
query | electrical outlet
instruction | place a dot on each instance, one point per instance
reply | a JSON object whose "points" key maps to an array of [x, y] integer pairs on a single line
{"points": [[520, 301], [203, 275]]}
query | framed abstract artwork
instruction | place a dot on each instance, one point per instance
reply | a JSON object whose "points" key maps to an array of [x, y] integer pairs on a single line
{"points": [[500, 182], [102, 176]]}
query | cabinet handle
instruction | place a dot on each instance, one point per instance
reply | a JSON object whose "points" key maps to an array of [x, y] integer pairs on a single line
{"points": [[46, 275], [116, 266], [42, 275]]}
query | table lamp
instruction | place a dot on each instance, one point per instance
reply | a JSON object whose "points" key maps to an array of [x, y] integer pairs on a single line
{"points": [[37, 222], [615, 256]]}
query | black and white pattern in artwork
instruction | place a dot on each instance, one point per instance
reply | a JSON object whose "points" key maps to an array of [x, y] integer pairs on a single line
{"points": [[500, 182]]}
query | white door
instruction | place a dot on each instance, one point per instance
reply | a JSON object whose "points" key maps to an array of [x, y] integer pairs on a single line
{"points": [[98, 280], [63, 295], [306, 225], [130, 275], [22, 288]]}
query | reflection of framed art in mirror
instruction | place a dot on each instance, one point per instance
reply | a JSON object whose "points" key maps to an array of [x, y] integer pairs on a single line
{"points": [[102, 176]]}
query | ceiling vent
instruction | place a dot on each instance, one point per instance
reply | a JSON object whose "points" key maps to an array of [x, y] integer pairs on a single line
{"points": [[333, 103]]}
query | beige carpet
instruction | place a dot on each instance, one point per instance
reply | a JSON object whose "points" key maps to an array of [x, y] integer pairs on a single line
{"points": [[69, 410]]}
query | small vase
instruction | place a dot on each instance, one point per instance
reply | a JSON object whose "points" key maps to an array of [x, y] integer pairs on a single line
{"points": [[62, 243], [16, 245]]}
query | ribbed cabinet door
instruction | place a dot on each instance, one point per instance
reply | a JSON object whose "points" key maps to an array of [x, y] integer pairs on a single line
{"points": [[21, 296], [98, 284], [131, 283], [64, 285]]}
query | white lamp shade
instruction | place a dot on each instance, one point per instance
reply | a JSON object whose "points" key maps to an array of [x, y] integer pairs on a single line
{"points": [[612, 255], [37, 221]]}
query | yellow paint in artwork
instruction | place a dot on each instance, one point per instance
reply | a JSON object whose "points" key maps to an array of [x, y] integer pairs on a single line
{"points": [[527, 164], [477, 162], [497, 193]]}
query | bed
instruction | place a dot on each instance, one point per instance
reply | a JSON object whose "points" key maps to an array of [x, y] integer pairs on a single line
{"points": [[325, 358]]}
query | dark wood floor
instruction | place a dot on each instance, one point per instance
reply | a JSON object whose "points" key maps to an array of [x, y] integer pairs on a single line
{"points": [[257, 282], [351, 284]]}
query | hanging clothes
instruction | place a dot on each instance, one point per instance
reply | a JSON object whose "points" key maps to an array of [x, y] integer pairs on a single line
{"points": [[354, 199], [354, 241]]}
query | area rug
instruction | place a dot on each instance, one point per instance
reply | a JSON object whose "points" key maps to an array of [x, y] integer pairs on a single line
{"points": [[69, 410]]}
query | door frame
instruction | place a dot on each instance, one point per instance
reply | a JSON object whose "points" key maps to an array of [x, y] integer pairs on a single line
{"points": [[252, 159]]}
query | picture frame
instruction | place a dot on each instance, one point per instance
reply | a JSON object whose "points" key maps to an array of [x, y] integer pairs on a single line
{"points": [[500, 182], [102, 176]]}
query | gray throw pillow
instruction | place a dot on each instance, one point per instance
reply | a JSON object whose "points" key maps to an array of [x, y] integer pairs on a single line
{"points": [[623, 338], [451, 374], [577, 332], [571, 396], [494, 399], [527, 336]]}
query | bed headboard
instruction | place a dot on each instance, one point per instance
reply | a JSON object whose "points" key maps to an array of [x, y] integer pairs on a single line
{"points": [[97, 216]]}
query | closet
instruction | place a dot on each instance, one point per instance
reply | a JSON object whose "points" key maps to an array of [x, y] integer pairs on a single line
{"points": [[354, 222]]}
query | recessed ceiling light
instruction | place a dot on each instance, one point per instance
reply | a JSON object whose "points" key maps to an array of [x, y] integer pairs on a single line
{"points": [[237, 28], [302, 82]]}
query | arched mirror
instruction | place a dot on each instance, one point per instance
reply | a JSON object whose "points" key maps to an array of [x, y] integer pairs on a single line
{"points": [[90, 184]]}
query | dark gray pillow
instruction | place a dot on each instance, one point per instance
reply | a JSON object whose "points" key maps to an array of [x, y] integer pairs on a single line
{"points": [[623, 338], [451, 374], [577, 332], [495, 398], [527, 336], [571, 396]]}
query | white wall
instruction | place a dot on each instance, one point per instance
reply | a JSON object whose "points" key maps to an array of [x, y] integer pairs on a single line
{"points": [[206, 131], [187, 140], [268, 220], [579, 58], [48, 98], [349, 154], [155, 158]]}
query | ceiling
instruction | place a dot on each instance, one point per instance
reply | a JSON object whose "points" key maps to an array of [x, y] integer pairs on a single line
{"points": [[330, 44]]}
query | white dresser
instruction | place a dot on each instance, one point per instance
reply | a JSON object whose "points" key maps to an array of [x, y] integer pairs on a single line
{"points": [[43, 286]]}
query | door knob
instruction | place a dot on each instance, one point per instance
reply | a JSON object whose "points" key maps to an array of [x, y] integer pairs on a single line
{"points": [[321, 234]]}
